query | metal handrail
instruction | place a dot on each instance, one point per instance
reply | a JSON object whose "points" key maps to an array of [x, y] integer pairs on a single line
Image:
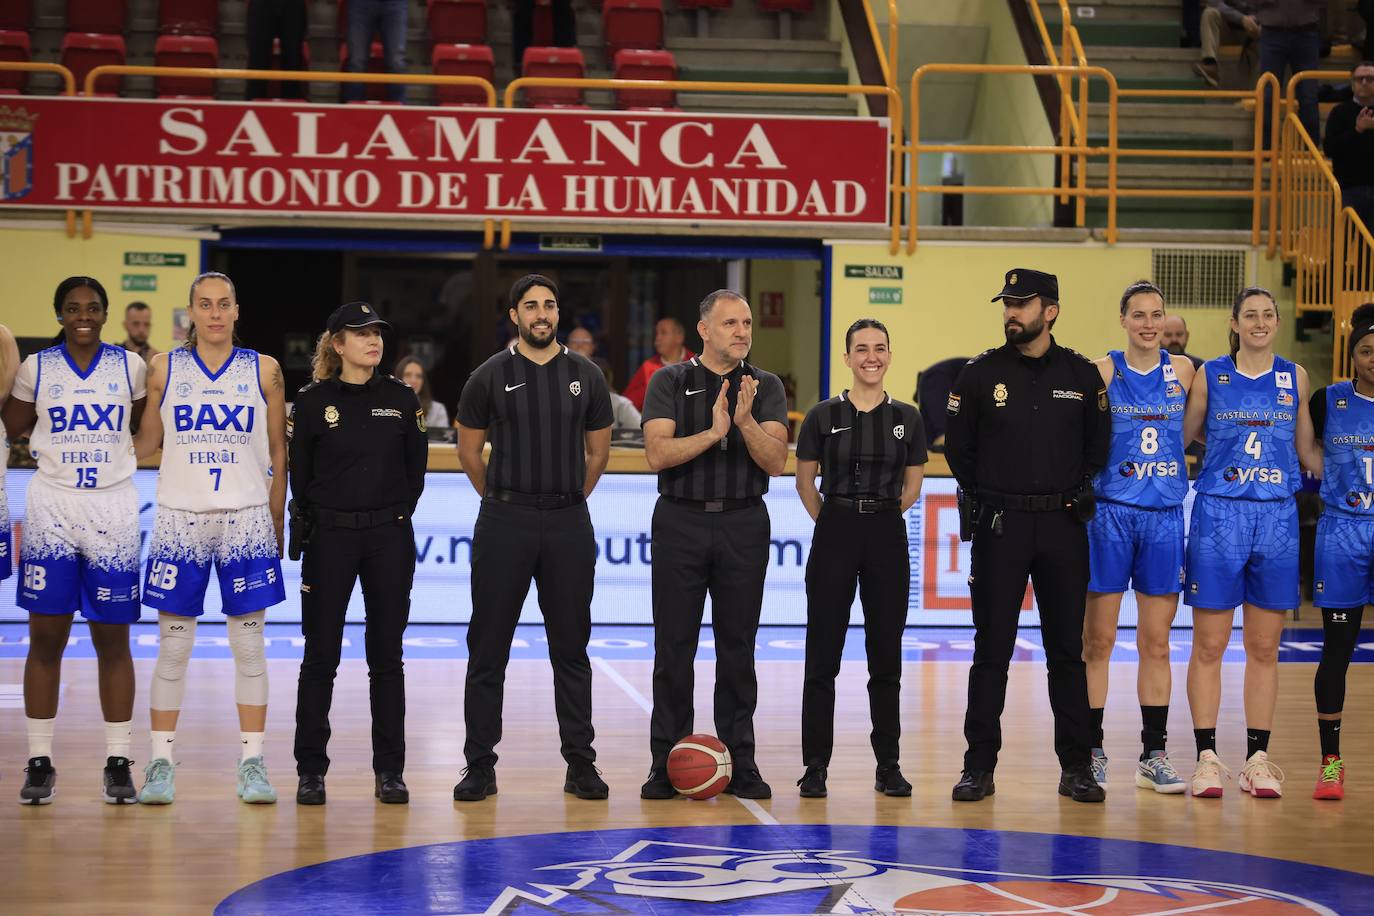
{"points": [[887, 60], [1356, 282], [298, 76]]}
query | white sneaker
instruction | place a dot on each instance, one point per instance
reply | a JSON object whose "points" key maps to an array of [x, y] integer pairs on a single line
{"points": [[1261, 778], [1156, 772], [1207, 775]]}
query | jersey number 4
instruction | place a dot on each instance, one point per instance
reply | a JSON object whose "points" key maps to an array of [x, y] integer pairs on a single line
{"points": [[1253, 446]]}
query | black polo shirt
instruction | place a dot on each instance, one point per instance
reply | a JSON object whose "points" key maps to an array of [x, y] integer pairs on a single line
{"points": [[536, 417], [1028, 426], [685, 392], [863, 454]]}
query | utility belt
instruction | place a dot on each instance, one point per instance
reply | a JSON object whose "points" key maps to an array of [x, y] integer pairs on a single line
{"points": [[370, 518], [536, 500], [1037, 502], [715, 505], [973, 506], [864, 506]]}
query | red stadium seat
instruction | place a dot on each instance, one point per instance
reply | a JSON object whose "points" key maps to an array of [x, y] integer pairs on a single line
{"points": [[704, 4], [16, 14], [457, 21], [82, 53], [185, 51], [635, 64], [188, 17], [554, 62], [462, 60], [14, 46], [376, 63], [107, 17], [542, 33], [632, 24], [785, 6]]}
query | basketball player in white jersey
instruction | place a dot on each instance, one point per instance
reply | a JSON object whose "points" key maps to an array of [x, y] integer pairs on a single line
{"points": [[81, 398], [221, 492], [9, 367]]}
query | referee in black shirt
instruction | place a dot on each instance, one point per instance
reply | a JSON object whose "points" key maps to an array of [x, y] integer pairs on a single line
{"points": [[547, 413], [871, 452], [1028, 429], [715, 430]]}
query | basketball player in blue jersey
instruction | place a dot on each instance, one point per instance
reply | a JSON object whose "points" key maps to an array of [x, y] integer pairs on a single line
{"points": [[81, 398], [220, 421], [1343, 422], [1136, 538], [1250, 408]]}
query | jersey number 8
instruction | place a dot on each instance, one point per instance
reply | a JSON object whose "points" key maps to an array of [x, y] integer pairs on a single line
{"points": [[1149, 441]]}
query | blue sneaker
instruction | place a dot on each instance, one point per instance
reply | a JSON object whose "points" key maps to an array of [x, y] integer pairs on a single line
{"points": [[1156, 772], [1100, 766], [254, 789], [159, 786]]}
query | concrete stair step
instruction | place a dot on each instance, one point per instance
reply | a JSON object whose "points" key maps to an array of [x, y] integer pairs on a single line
{"points": [[1116, 10], [827, 76], [1133, 33], [1232, 125], [747, 103], [727, 53], [1173, 213]]}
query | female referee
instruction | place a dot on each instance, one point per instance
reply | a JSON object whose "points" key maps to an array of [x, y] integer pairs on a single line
{"points": [[1136, 537], [870, 451], [1343, 422], [81, 398], [220, 421], [1250, 408]]}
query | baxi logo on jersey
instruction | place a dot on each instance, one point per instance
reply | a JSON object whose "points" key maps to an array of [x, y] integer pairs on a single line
{"points": [[88, 417], [213, 417]]}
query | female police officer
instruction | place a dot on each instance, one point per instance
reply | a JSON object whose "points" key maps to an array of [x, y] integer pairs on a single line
{"points": [[358, 454]]}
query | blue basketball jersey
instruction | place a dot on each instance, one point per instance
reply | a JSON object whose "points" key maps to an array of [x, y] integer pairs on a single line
{"points": [[1348, 445], [1250, 427], [1146, 467]]}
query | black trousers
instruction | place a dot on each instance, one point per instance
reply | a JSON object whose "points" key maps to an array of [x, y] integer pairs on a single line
{"points": [[1051, 549], [269, 19], [870, 551], [384, 558], [557, 549], [695, 553], [522, 28]]}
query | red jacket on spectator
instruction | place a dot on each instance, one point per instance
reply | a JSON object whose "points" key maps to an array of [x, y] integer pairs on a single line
{"points": [[639, 385]]}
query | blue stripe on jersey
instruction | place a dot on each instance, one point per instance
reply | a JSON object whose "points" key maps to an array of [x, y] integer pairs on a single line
{"points": [[1250, 428], [1348, 445], [1145, 467]]}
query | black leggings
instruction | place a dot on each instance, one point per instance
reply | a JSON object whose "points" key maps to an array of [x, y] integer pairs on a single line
{"points": [[1340, 633]]}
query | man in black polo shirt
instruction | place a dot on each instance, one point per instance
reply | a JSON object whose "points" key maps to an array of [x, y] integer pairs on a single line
{"points": [[1028, 429], [547, 413], [715, 430]]}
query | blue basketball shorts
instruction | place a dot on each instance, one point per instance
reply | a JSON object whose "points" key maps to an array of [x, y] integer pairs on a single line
{"points": [[1130, 547], [240, 545], [1242, 551], [1344, 574]]}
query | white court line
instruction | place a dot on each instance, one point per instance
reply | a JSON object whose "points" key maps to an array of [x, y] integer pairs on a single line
{"points": [[645, 704]]}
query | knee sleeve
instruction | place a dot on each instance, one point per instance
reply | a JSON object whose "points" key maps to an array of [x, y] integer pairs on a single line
{"points": [[250, 660], [176, 639], [1340, 633]]}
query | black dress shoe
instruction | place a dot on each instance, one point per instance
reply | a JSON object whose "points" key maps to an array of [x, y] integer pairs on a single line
{"points": [[1077, 783], [584, 780], [974, 785], [658, 786], [310, 790], [391, 789], [812, 783], [747, 783], [477, 783], [888, 780]]}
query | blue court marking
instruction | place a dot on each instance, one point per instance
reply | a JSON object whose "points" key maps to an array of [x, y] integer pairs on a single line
{"points": [[805, 869], [636, 643]]}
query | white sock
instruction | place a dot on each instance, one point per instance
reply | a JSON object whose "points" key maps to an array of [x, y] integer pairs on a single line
{"points": [[118, 737], [252, 744], [164, 746], [40, 736]]}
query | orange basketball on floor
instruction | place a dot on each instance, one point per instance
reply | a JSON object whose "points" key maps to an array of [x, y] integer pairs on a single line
{"points": [[699, 766]]}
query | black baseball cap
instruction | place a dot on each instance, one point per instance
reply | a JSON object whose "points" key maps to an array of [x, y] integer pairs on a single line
{"points": [[354, 315], [1024, 283]]}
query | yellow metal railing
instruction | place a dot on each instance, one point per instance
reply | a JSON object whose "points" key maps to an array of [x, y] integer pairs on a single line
{"points": [[1354, 285], [1311, 219]]}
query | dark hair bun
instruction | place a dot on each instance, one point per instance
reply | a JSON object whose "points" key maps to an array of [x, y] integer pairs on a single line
{"points": [[1363, 316]]}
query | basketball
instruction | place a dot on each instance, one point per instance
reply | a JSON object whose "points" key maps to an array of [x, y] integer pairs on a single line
{"points": [[699, 766]]}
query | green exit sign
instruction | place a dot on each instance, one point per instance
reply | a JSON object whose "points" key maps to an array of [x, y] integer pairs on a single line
{"points": [[154, 259], [884, 295], [138, 283]]}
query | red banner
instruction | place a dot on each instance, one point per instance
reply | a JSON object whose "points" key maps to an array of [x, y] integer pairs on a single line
{"points": [[209, 158]]}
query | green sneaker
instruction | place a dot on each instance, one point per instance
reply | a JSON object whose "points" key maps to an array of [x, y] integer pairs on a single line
{"points": [[254, 789], [159, 787]]}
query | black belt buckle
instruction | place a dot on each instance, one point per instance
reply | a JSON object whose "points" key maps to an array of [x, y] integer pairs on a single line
{"points": [[867, 506], [713, 505], [551, 500]]}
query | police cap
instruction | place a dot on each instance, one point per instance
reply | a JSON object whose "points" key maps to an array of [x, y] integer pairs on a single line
{"points": [[1024, 283], [354, 315]]}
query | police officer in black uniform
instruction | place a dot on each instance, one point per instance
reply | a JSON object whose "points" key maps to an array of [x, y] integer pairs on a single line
{"points": [[715, 430], [358, 452], [1028, 429], [870, 451], [547, 412]]}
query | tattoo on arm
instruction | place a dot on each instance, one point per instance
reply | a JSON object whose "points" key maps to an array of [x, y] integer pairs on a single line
{"points": [[277, 383]]}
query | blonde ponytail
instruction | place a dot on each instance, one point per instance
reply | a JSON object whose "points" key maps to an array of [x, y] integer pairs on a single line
{"points": [[326, 363]]}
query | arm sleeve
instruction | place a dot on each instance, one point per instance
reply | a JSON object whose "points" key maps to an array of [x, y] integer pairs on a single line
{"points": [[658, 400], [298, 446], [1228, 12], [915, 438], [474, 405], [599, 412], [809, 437], [25, 380], [771, 402], [961, 429], [417, 450], [1316, 406], [639, 384], [1097, 425]]}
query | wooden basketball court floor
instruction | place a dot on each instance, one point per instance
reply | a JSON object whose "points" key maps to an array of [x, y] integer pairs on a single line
{"points": [[81, 856]]}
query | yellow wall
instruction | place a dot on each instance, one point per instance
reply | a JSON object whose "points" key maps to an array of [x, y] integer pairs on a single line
{"points": [[791, 349], [35, 260]]}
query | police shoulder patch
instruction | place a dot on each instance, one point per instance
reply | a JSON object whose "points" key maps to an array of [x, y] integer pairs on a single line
{"points": [[1073, 352], [420, 420], [985, 353], [952, 405], [1102, 399]]}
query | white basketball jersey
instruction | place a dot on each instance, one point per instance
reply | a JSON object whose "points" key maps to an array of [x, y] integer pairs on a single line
{"points": [[214, 434], [81, 439]]}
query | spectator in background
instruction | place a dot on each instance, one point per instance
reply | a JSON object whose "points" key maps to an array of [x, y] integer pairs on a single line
{"points": [[582, 341], [1350, 143], [1191, 36], [932, 398], [1290, 42], [626, 416], [1175, 338], [138, 324], [522, 29], [1223, 23], [411, 371], [366, 17], [270, 20], [668, 344]]}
